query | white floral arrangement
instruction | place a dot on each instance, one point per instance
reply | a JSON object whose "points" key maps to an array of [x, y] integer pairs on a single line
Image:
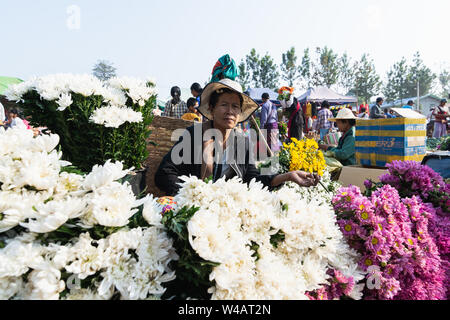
{"points": [[116, 91], [114, 116], [259, 244], [69, 236], [96, 120]]}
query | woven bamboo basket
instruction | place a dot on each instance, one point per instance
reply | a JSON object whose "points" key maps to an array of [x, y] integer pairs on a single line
{"points": [[162, 130]]}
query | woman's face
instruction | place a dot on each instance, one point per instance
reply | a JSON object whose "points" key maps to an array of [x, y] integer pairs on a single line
{"points": [[343, 126], [227, 110]]}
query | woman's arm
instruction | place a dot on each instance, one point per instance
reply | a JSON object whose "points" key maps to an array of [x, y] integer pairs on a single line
{"points": [[347, 150], [301, 178]]}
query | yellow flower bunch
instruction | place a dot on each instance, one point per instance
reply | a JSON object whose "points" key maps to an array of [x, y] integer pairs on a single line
{"points": [[305, 155]]}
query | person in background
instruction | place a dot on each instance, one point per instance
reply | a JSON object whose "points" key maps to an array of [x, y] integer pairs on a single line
{"points": [[14, 120], [376, 112], [296, 120], [192, 114], [196, 91], [269, 121], [409, 105], [363, 112], [440, 114], [345, 151], [175, 107], [324, 115], [390, 114]]}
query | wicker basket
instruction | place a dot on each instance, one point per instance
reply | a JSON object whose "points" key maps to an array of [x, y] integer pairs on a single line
{"points": [[162, 129]]}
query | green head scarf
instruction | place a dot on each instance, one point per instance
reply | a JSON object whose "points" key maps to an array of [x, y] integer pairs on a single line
{"points": [[225, 66]]}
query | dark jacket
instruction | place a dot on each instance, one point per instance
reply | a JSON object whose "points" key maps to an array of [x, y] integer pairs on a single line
{"points": [[376, 112], [167, 177], [297, 124]]}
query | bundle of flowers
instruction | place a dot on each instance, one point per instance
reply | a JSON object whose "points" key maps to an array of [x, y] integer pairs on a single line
{"points": [[285, 93], [392, 236], [410, 178], [302, 155], [283, 129], [322, 193], [64, 235], [239, 241], [95, 120]]}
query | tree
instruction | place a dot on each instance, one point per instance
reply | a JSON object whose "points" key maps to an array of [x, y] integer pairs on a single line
{"points": [[444, 81], [268, 73], [252, 61], [396, 85], [305, 69], [244, 75], [290, 70], [367, 81], [260, 72], [325, 70], [104, 70], [346, 77], [418, 72]]}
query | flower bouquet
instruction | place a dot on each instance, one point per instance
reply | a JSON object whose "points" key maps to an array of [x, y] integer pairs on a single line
{"points": [[302, 155], [392, 235], [239, 241], [411, 179], [284, 93], [95, 120], [65, 235]]}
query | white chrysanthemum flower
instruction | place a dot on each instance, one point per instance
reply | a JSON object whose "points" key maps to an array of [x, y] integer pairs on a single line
{"points": [[44, 284], [102, 175], [19, 256], [136, 89], [113, 96], [17, 205], [112, 205], [85, 258], [156, 250], [64, 101], [69, 183], [152, 211], [49, 216], [121, 241], [113, 116], [9, 287], [15, 92]]}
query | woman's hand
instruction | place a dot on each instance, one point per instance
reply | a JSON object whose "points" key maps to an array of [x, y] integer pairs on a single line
{"points": [[304, 179], [323, 147], [301, 178]]}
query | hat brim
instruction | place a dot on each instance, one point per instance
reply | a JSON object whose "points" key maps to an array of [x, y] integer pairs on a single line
{"points": [[249, 106], [334, 119]]}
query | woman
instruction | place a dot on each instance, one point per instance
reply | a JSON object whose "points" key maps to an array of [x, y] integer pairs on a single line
{"points": [[440, 114], [196, 91], [15, 120], [363, 112], [345, 151], [215, 149]]}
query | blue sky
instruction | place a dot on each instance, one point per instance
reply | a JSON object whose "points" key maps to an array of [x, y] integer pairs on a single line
{"points": [[177, 42]]}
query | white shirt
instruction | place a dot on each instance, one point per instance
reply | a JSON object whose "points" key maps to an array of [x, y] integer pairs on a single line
{"points": [[17, 122]]}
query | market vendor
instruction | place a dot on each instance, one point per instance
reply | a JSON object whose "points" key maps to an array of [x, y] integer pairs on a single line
{"points": [[345, 151], [215, 149]]}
